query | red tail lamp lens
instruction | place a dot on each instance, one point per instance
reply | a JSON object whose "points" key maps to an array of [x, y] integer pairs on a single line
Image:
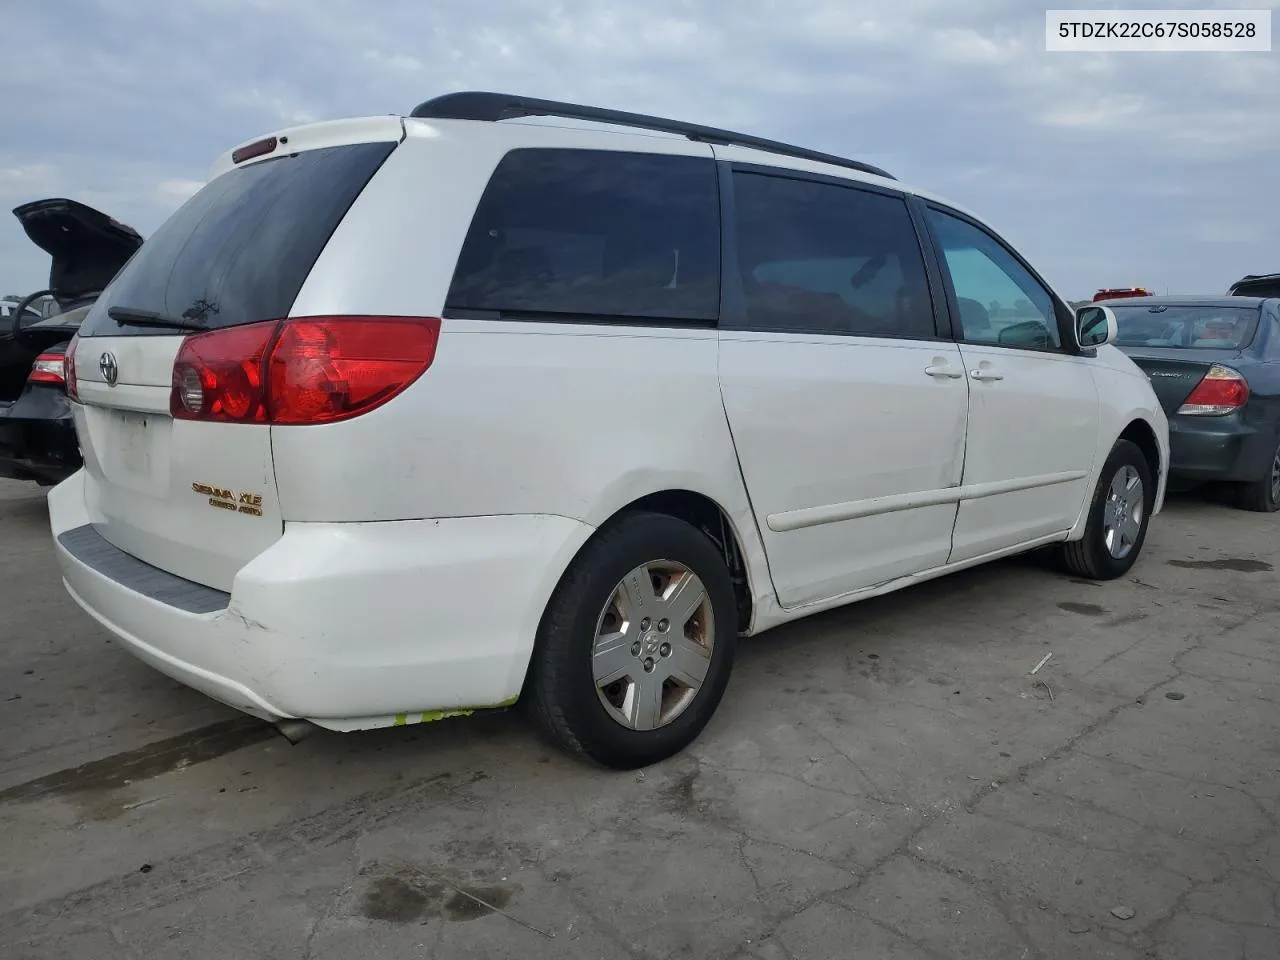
{"points": [[69, 369], [300, 371], [332, 368], [1221, 391], [48, 368], [218, 375]]}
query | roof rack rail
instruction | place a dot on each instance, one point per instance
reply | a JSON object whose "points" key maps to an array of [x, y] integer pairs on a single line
{"points": [[476, 105]]}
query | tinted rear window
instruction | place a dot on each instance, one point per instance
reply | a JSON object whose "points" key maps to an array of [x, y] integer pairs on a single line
{"points": [[1188, 327], [240, 249], [585, 233]]}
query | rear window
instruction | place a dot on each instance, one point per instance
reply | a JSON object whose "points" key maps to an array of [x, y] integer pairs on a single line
{"points": [[594, 234], [1188, 327], [240, 249]]}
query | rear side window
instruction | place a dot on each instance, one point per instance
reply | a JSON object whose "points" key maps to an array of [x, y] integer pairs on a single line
{"points": [[821, 258], [240, 249], [594, 234]]}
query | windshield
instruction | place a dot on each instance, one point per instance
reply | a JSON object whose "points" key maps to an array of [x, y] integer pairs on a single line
{"points": [[1208, 327]]}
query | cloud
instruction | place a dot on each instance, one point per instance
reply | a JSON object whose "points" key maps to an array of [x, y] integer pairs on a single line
{"points": [[1103, 114], [178, 190], [395, 62], [1104, 169], [21, 180]]}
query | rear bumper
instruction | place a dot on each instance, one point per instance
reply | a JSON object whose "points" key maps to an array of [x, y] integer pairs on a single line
{"points": [[39, 448], [349, 625], [1203, 449]]}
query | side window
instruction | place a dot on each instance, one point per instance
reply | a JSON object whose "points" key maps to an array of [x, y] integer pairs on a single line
{"points": [[821, 258], [1000, 302], [594, 233]]}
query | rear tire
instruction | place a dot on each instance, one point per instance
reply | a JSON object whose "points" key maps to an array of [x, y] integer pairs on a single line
{"points": [[1118, 516], [1262, 495], [647, 598]]}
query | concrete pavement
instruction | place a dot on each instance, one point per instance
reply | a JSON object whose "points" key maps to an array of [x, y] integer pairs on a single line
{"points": [[885, 781]]}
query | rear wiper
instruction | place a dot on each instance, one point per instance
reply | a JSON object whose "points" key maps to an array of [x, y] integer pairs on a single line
{"points": [[130, 317]]}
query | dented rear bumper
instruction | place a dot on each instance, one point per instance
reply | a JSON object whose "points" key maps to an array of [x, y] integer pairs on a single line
{"points": [[348, 625]]}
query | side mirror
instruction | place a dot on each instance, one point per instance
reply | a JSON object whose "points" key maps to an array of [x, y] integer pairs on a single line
{"points": [[1095, 326]]}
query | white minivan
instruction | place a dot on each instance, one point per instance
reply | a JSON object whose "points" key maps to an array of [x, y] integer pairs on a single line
{"points": [[402, 417]]}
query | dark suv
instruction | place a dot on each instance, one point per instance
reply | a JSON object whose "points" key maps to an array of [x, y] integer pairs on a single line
{"points": [[1256, 285]]}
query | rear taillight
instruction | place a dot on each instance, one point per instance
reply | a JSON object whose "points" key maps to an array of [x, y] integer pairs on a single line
{"points": [[1221, 391], [300, 371], [69, 369], [325, 369], [218, 375], [48, 368]]}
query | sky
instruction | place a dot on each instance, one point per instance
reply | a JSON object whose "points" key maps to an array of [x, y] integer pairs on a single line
{"points": [[1152, 169]]}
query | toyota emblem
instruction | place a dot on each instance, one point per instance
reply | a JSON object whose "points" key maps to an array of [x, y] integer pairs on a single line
{"points": [[110, 372]]}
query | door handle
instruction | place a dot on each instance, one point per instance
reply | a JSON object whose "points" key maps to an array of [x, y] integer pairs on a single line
{"points": [[985, 375], [945, 371]]}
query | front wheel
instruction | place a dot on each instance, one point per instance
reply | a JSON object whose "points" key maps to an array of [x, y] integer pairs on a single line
{"points": [[635, 648], [1118, 515]]}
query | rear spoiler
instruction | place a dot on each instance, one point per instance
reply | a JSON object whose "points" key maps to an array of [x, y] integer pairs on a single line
{"points": [[311, 136]]}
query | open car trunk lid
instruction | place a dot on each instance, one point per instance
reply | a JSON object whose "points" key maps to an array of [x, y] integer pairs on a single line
{"points": [[87, 247], [198, 498]]}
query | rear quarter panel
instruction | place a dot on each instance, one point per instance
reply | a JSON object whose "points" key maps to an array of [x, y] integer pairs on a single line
{"points": [[568, 419], [516, 418]]}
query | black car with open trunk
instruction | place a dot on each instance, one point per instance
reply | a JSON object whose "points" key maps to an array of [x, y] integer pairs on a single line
{"points": [[87, 249]]}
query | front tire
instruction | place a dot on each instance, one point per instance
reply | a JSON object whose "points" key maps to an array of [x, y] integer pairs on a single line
{"points": [[636, 646], [1263, 494], [1118, 516]]}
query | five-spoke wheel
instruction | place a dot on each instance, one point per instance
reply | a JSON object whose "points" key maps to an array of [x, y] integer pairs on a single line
{"points": [[1119, 511]]}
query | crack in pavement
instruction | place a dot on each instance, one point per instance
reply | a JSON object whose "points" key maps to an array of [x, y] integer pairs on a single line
{"points": [[920, 945], [1075, 841], [1258, 802], [774, 886], [1066, 749]]}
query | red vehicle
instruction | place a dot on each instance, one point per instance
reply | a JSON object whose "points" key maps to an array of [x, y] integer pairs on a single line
{"points": [[1117, 293]]}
